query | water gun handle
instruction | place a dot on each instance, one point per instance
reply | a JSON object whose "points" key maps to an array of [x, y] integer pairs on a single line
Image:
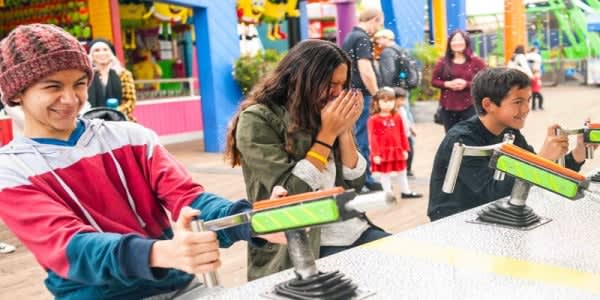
{"points": [[210, 278]]}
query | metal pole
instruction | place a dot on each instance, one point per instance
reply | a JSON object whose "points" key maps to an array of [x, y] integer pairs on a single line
{"points": [[453, 168], [210, 278], [508, 138], [519, 193], [294, 36], [300, 253]]}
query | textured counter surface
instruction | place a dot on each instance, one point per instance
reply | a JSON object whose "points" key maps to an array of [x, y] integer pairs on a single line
{"points": [[453, 259]]}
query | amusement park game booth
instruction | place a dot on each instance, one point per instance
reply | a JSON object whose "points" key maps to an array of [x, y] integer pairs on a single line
{"points": [[180, 52]]}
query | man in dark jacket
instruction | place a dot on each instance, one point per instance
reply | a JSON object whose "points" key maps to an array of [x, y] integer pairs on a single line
{"points": [[359, 47], [501, 98], [396, 66]]}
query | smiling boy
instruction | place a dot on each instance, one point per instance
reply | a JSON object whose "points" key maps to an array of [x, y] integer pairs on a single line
{"points": [[501, 98], [90, 198]]}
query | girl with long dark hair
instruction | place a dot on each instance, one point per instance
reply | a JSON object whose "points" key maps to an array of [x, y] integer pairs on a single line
{"points": [[295, 130]]}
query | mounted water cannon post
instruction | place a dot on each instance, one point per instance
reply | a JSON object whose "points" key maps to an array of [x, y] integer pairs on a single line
{"points": [[591, 136], [459, 150], [528, 169], [292, 215]]}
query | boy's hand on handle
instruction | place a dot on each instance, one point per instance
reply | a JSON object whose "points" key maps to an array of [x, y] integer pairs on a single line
{"points": [[579, 150], [278, 237], [377, 159], [192, 252], [554, 145]]}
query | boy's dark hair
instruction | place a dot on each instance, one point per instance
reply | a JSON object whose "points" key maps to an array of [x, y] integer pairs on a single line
{"points": [[495, 83], [399, 92]]}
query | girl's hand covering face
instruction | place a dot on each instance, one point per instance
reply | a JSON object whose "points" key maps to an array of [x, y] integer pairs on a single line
{"points": [[341, 114]]}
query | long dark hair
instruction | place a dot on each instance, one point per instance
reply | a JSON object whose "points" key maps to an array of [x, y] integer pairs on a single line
{"points": [[300, 83], [468, 52]]}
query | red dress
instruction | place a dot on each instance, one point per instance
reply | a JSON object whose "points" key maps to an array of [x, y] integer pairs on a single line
{"points": [[387, 139], [536, 84]]}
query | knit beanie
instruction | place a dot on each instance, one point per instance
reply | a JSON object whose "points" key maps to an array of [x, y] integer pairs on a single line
{"points": [[32, 52]]}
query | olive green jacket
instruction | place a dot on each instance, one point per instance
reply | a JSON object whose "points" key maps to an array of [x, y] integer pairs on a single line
{"points": [[260, 138]]}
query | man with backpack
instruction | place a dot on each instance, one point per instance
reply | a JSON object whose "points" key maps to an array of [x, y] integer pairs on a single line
{"points": [[397, 68], [357, 44]]}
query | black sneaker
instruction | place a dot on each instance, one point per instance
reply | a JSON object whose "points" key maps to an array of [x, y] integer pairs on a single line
{"points": [[374, 186], [410, 174], [411, 195]]}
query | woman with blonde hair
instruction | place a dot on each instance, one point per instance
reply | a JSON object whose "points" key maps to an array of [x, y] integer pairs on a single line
{"points": [[110, 80]]}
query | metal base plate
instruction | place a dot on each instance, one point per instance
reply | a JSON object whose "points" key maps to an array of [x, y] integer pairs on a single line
{"points": [[361, 293], [542, 221]]}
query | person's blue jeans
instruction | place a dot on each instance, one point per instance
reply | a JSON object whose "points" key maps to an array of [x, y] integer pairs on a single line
{"points": [[362, 135], [369, 235]]}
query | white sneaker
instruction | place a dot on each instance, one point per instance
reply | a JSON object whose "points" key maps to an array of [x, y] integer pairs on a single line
{"points": [[6, 248]]}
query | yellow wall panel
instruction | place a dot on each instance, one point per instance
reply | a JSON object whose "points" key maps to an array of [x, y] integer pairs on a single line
{"points": [[100, 19]]}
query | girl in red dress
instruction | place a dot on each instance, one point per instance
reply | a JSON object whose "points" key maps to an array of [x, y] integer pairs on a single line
{"points": [[388, 142]]}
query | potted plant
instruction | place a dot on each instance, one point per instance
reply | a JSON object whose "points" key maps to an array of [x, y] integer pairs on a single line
{"points": [[427, 55], [248, 70]]}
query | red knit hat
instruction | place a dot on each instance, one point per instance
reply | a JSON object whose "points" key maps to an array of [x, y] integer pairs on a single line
{"points": [[32, 52]]}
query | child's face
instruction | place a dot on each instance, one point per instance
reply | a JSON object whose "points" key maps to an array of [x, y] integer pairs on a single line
{"points": [[387, 104], [513, 109], [52, 104]]}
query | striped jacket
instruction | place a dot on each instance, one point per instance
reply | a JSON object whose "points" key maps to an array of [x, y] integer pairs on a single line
{"points": [[90, 208]]}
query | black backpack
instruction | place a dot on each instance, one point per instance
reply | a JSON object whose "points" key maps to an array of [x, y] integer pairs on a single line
{"points": [[408, 75]]}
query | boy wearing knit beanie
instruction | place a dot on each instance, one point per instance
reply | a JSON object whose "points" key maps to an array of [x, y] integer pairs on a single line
{"points": [[88, 197]]}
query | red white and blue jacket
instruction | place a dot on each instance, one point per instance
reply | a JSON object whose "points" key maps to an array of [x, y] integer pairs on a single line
{"points": [[90, 208]]}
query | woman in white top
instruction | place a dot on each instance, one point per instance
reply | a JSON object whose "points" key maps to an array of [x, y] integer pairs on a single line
{"points": [[534, 59], [519, 61]]}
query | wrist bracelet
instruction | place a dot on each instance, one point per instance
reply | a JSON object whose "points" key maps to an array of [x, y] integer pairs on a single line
{"points": [[330, 147], [317, 156]]}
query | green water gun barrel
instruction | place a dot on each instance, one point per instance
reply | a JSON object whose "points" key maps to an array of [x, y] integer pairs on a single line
{"points": [[539, 171], [591, 135]]}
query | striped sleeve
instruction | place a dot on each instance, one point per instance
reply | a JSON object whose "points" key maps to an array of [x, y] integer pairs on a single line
{"points": [[63, 243]]}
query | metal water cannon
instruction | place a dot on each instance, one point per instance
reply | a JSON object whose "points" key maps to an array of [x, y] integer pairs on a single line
{"points": [[528, 169], [292, 215], [591, 136]]}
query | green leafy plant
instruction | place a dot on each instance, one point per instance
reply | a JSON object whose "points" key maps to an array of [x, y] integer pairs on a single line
{"points": [[428, 55], [248, 70]]}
